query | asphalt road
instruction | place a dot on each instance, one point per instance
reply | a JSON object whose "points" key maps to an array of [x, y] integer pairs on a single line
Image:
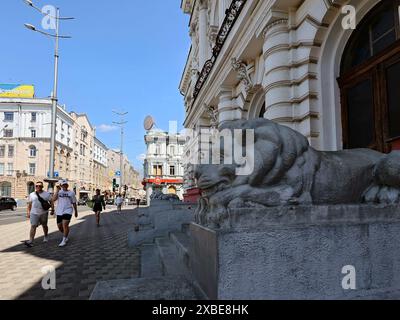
{"points": [[10, 217]]}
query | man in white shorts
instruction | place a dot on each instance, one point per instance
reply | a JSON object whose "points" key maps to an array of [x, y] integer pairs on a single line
{"points": [[38, 214], [66, 206]]}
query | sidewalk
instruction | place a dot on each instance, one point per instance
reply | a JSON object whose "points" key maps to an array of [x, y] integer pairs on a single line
{"points": [[93, 254]]}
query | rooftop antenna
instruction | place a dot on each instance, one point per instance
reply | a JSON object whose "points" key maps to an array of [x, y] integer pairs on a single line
{"points": [[149, 123]]}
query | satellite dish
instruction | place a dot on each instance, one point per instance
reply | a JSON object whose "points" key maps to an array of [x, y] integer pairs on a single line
{"points": [[149, 123]]}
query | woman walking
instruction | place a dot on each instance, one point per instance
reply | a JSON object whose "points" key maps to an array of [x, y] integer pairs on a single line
{"points": [[98, 205]]}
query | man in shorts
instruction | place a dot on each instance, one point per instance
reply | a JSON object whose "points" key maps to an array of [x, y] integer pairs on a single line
{"points": [[66, 206], [37, 214]]}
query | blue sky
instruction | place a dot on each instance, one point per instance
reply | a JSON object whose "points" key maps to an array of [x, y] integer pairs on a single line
{"points": [[124, 54]]}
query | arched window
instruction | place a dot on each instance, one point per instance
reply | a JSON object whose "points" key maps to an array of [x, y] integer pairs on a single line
{"points": [[370, 74], [32, 151]]}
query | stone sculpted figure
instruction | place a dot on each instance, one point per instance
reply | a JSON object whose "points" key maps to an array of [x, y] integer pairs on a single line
{"points": [[288, 171]]}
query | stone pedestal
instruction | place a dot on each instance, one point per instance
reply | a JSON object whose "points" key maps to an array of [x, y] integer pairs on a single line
{"points": [[158, 220], [299, 253], [192, 195]]}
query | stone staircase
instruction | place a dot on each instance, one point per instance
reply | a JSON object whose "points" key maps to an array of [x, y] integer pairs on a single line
{"points": [[165, 273]]}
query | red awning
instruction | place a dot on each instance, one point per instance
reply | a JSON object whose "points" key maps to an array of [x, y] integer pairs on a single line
{"points": [[159, 181]]}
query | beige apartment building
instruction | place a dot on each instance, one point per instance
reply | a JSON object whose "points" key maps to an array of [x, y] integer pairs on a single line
{"points": [[25, 130]]}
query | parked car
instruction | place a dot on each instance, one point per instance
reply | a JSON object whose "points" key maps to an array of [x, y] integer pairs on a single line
{"points": [[132, 202], [82, 202], [8, 204], [143, 202], [110, 202]]}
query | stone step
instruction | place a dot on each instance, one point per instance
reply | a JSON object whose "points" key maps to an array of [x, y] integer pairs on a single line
{"points": [[159, 288], [182, 243], [171, 264], [186, 229], [150, 262]]}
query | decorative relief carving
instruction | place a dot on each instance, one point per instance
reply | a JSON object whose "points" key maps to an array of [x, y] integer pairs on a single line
{"points": [[213, 115], [243, 74]]}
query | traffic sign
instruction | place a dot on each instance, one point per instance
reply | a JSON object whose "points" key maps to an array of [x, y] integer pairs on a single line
{"points": [[118, 173], [56, 174]]}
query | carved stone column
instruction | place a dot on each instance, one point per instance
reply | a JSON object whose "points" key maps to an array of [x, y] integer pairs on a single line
{"points": [[228, 108], [277, 76]]}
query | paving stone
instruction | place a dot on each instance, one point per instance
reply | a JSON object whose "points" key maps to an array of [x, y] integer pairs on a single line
{"points": [[92, 255]]}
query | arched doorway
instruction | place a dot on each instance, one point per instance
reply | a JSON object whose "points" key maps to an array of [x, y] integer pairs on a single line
{"points": [[369, 80], [30, 187], [5, 189]]}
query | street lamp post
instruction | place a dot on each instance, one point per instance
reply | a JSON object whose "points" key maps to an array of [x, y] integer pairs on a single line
{"points": [[121, 124], [54, 97]]}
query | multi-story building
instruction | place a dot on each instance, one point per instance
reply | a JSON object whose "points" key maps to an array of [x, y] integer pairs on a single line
{"points": [[101, 178], [163, 165], [130, 177], [83, 162], [25, 132], [327, 70]]}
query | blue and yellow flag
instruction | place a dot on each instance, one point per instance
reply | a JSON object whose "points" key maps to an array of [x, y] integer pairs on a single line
{"points": [[17, 91]]}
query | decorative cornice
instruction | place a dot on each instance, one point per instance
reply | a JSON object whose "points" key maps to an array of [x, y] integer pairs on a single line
{"points": [[274, 24], [231, 16], [243, 75]]}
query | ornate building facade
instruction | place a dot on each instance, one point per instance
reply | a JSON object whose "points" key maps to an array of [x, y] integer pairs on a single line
{"points": [[163, 165], [300, 63]]}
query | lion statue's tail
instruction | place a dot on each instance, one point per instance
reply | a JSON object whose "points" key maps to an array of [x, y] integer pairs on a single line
{"points": [[386, 187]]}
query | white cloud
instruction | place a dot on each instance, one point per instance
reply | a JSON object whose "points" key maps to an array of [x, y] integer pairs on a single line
{"points": [[106, 128], [141, 157]]}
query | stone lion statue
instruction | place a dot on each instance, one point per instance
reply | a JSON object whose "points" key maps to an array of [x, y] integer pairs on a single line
{"points": [[288, 171]]}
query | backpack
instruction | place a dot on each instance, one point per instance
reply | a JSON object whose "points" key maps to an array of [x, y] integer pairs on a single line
{"points": [[45, 204]]}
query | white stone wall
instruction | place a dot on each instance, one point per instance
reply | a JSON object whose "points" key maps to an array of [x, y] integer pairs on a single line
{"points": [[289, 55]]}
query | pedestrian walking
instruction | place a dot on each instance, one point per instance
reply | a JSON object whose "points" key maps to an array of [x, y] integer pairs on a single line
{"points": [[39, 204], [119, 201], [98, 205], [138, 202], [66, 206]]}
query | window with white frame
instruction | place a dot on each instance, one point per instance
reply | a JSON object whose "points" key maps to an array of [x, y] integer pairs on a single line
{"points": [[10, 151], [172, 151], [8, 133], [32, 169], [2, 151], [10, 169], [33, 117], [32, 151], [33, 133], [9, 116], [1, 169]]}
